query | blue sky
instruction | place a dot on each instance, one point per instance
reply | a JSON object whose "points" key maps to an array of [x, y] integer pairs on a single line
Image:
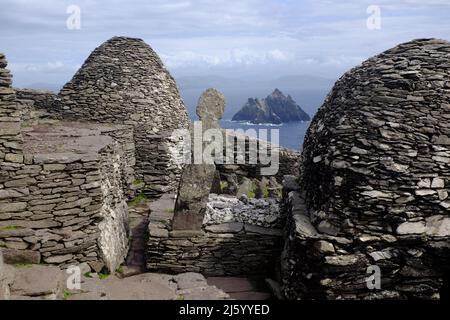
{"points": [[233, 38]]}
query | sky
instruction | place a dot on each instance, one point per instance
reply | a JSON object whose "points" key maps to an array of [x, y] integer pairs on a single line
{"points": [[228, 38]]}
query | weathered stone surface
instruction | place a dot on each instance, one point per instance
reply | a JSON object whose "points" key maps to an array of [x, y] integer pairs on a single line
{"points": [[197, 179], [374, 178], [37, 280], [124, 81], [193, 192], [232, 227], [13, 256], [218, 249]]}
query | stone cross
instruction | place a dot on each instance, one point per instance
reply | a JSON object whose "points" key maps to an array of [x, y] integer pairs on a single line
{"points": [[197, 179]]}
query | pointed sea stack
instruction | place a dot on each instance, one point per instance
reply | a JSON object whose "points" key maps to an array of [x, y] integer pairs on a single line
{"points": [[275, 108]]}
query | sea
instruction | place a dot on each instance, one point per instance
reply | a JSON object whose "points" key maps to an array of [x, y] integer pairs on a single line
{"points": [[290, 134]]}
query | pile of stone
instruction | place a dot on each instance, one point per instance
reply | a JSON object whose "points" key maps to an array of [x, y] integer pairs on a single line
{"points": [[375, 182], [259, 212]]}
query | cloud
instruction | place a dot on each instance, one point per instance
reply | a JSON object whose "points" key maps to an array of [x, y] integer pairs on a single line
{"points": [[325, 37]]}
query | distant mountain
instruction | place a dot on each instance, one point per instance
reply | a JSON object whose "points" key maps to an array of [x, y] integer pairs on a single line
{"points": [[275, 108]]}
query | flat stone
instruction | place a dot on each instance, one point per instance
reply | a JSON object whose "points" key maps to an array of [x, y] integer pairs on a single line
{"points": [[38, 224], [232, 227], [425, 192], [324, 246], [345, 260], [249, 228], [411, 228], [13, 157], [15, 232], [303, 226], [186, 233], [202, 293], [158, 232], [141, 287], [190, 280], [54, 167], [438, 183], [13, 256], [58, 259], [37, 280], [231, 284], [10, 128], [12, 207], [438, 226]]}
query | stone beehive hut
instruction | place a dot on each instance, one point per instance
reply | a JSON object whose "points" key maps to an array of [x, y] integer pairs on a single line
{"points": [[376, 180], [124, 81]]}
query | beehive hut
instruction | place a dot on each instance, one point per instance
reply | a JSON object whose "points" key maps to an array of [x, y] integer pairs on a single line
{"points": [[375, 182], [124, 81]]}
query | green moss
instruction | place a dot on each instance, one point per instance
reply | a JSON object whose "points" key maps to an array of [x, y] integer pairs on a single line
{"points": [[180, 297], [137, 182], [169, 210], [223, 185], [103, 276], [88, 275], [141, 198], [67, 295], [23, 265], [9, 228], [280, 195], [25, 124], [119, 269], [265, 191]]}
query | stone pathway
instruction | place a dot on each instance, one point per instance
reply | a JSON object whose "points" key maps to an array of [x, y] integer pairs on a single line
{"points": [[39, 282], [138, 220], [241, 288]]}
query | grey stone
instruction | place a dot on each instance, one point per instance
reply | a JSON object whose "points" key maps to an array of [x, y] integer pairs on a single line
{"points": [[13, 256], [233, 227]]}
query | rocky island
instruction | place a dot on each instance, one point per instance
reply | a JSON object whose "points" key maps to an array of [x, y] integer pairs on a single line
{"points": [[275, 108]]}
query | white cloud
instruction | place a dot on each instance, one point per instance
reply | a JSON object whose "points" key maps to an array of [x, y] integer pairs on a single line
{"points": [[324, 37]]}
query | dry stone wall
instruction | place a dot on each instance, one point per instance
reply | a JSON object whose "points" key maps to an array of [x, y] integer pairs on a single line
{"points": [[224, 246], [41, 100], [375, 178], [68, 204], [242, 177], [62, 198]]}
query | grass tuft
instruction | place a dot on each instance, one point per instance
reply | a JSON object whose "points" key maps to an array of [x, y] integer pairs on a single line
{"points": [[23, 265], [103, 276], [67, 295], [141, 198]]}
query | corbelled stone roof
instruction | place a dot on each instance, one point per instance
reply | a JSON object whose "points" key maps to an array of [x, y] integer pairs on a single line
{"points": [[379, 145], [376, 177], [124, 81]]}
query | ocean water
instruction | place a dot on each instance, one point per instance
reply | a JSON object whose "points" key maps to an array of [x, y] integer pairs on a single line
{"points": [[291, 134]]}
